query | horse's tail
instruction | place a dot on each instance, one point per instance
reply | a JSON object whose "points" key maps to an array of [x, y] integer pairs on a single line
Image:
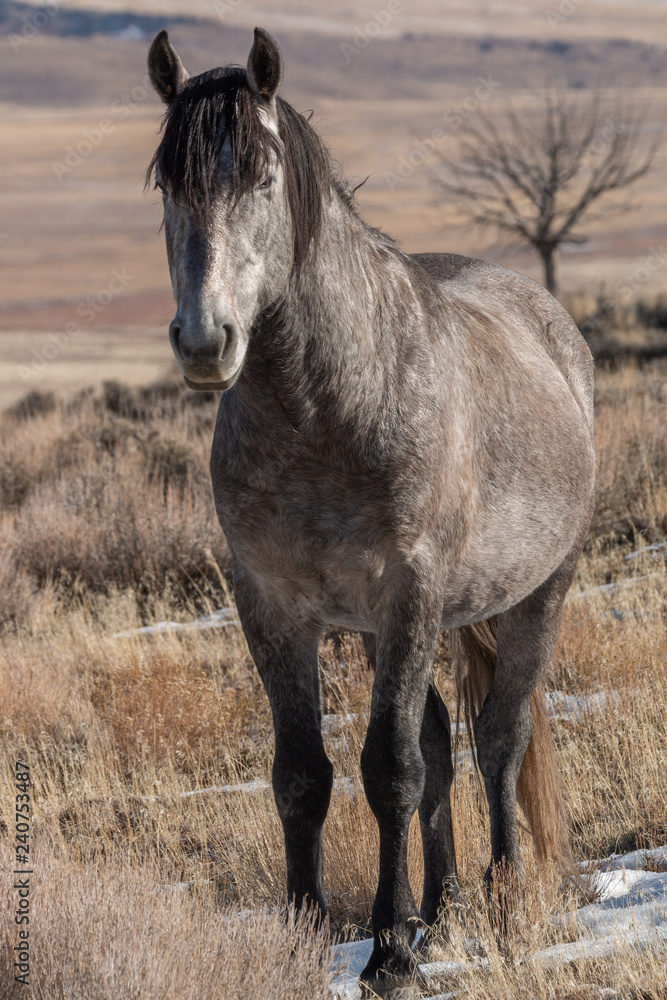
{"points": [[539, 790]]}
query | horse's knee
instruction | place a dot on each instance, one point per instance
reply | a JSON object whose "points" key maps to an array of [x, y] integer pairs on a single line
{"points": [[393, 770], [302, 788]]}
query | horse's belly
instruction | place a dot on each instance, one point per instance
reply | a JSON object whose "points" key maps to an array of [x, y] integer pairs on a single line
{"points": [[507, 559], [346, 582]]}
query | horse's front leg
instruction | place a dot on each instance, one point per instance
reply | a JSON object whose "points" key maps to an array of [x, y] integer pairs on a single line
{"points": [[285, 654], [393, 771]]}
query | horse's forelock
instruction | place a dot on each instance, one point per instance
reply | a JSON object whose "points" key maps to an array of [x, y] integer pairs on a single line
{"points": [[193, 135]]}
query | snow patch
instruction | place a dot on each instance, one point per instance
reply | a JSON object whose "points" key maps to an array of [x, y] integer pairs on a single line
{"points": [[573, 708], [631, 912], [346, 786], [638, 553], [216, 619]]}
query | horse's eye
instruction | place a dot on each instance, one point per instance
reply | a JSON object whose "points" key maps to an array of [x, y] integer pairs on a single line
{"points": [[266, 183]]}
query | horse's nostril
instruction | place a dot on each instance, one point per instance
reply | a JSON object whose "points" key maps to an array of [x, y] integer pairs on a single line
{"points": [[228, 336], [201, 344]]}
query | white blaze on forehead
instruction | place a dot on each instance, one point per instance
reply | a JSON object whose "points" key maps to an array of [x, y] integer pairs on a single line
{"points": [[270, 123], [268, 120]]}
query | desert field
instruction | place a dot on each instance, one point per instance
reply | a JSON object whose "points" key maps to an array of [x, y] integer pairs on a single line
{"points": [[127, 690]]}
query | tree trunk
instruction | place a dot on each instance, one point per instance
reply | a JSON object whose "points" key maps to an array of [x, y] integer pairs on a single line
{"points": [[547, 252]]}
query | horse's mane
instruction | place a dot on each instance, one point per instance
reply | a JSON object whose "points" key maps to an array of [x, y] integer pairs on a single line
{"points": [[217, 104]]}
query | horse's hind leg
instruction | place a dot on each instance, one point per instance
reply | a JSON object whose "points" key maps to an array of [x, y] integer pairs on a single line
{"points": [[435, 814], [286, 658], [527, 635]]}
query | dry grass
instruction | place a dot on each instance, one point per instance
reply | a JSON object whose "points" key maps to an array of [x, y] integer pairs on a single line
{"points": [[108, 520], [109, 492], [113, 931], [632, 455]]}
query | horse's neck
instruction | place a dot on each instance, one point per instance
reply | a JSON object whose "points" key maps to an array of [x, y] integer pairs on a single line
{"points": [[332, 350]]}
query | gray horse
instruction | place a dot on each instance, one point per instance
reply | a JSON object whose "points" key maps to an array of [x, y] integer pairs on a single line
{"points": [[404, 445]]}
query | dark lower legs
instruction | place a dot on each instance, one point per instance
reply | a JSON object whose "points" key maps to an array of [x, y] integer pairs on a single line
{"points": [[502, 734], [286, 659], [394, 774], [527, 635], [302, 781], [435, 816]]}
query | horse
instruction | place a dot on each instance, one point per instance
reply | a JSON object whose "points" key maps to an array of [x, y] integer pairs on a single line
{"points": [[403, 446]]}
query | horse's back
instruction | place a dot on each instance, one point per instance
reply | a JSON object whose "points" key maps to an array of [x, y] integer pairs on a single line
{"points": [[514, 299]]}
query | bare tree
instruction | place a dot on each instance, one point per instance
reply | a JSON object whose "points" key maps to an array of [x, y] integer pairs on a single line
{"points": [[538, 178]]}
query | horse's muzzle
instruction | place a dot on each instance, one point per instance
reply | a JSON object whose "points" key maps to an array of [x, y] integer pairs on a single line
{"points": [[209, 358]]}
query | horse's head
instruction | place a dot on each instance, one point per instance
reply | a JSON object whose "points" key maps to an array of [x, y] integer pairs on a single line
{"points": [[242, 176]]}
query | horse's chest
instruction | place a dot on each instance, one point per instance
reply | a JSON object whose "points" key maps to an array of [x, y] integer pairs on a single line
{"points": [[313, 548]]}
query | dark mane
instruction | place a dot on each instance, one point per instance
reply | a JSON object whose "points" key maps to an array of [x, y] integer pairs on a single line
{"points": [[220, 103]]}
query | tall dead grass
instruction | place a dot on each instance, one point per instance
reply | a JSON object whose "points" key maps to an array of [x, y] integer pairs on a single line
{"points": [[110, 931], [108, 492], [632, 455]]}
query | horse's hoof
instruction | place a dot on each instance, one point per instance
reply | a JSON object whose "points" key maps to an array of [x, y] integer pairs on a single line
{"points": [[390, 970], [504, 891], [433, 946], [387, 988]]}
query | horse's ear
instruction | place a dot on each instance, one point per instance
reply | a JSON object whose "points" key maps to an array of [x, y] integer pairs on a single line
{"points": [[167, 72], [265, 65]]}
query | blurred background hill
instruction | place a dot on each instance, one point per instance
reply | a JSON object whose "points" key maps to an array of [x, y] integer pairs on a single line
{"points": [[79, 240]]}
